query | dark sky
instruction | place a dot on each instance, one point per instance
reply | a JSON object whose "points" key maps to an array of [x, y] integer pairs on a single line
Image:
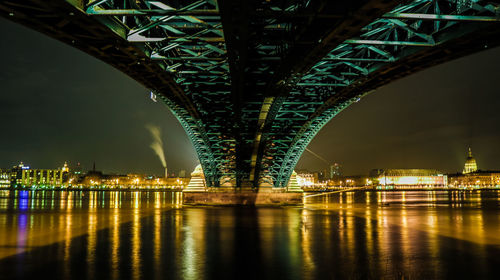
{"points": [[58, 104]]}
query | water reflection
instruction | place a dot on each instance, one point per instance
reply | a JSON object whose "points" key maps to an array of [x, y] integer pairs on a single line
{"points": [[122, 235]]}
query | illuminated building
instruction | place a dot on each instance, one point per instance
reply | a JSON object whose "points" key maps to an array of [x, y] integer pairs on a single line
{"points": [[470, 164], [471, 177], [409, 178], [293, 183], [23, 176], [335, 171], [197, 182], [17, 173], [477, 179], [65, 168], [5, 178], [305, 179], [40, 177], [98, 180], [354, 181]]}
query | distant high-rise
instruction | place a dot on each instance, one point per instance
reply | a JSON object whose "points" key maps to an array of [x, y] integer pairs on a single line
{"points": [[335, 170], [470, 164]]}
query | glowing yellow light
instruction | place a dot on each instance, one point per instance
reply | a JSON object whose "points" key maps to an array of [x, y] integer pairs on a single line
{"points": [[407, 180]]}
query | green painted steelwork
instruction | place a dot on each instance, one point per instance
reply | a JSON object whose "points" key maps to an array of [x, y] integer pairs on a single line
{"points": [[254, 81], [442, 17], [406, 30], [186, 39]]}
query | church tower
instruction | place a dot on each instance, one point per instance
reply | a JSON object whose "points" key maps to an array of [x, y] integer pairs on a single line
{"points": [[470, 164]]}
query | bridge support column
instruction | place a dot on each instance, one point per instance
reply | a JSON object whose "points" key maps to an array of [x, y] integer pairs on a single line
{"points": [[244, 197], [198, 193]]}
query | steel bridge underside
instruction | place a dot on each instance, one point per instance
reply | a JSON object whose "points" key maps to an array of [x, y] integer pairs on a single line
{"points": [[252, 82]]}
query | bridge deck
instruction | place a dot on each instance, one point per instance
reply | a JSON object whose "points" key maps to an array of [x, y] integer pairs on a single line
{"points": [[252, 82]]}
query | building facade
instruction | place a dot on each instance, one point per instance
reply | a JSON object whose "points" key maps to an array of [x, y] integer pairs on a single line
{"points": [[5, 178], [470, 164], [306, 179], [477, 179], [40, 177], [23, 176], [472, 177], [408, 178], [335, 171]]}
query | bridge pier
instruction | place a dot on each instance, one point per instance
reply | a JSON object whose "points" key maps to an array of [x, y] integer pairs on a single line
{"points": [[197, 193], [227, 197]]}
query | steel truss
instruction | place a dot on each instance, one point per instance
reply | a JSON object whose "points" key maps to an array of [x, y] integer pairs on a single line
{"points": [[252, 82], [264, 142], [330, 85], [186, 39]]}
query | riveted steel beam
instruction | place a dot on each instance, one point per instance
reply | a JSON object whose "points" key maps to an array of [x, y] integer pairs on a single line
{"points": [[252, 82], [434, 17]]}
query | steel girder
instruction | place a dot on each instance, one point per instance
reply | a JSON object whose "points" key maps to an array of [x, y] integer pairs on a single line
{"points": [[259, 35], [252, 82], [199, 139], [186, 39], [333, 83]]}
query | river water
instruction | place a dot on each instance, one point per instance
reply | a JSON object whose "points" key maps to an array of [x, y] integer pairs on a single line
{"points": [[150, 235]]}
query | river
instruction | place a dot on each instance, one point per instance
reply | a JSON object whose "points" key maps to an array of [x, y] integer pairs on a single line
{"points": [[151, 235]]}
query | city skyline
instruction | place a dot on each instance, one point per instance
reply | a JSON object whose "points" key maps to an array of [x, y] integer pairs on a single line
{"points": [[79, 166], [51, 123], [200, 139]]}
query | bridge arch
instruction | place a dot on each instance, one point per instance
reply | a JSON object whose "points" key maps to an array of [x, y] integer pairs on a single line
{"points": [[252, 83]]}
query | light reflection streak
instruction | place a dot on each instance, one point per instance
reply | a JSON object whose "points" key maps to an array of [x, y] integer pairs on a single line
{"points": [[115, 243], [349, 199], [405, 240], [35, 225], [369, 235], [192, 265], [178, 199], [33, 200], [136, 242], [69, 204], [67, 242], [62, 202], [92, 240], [92, 201], [157, 236], [433, 235], [351, 242], [293, 220], [52, 204], [22, 222], [306, 244], [136, 200], [342, 233]]}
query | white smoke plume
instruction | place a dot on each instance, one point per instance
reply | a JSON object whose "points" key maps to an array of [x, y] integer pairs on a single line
{"points": [[157, 144]]}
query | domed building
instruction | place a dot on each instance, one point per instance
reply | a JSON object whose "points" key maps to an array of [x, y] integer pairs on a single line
{"points": [[470, 164], [473, 178]]}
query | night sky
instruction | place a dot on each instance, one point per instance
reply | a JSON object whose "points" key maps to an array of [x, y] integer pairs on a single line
{"points": [[58, 104]]}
